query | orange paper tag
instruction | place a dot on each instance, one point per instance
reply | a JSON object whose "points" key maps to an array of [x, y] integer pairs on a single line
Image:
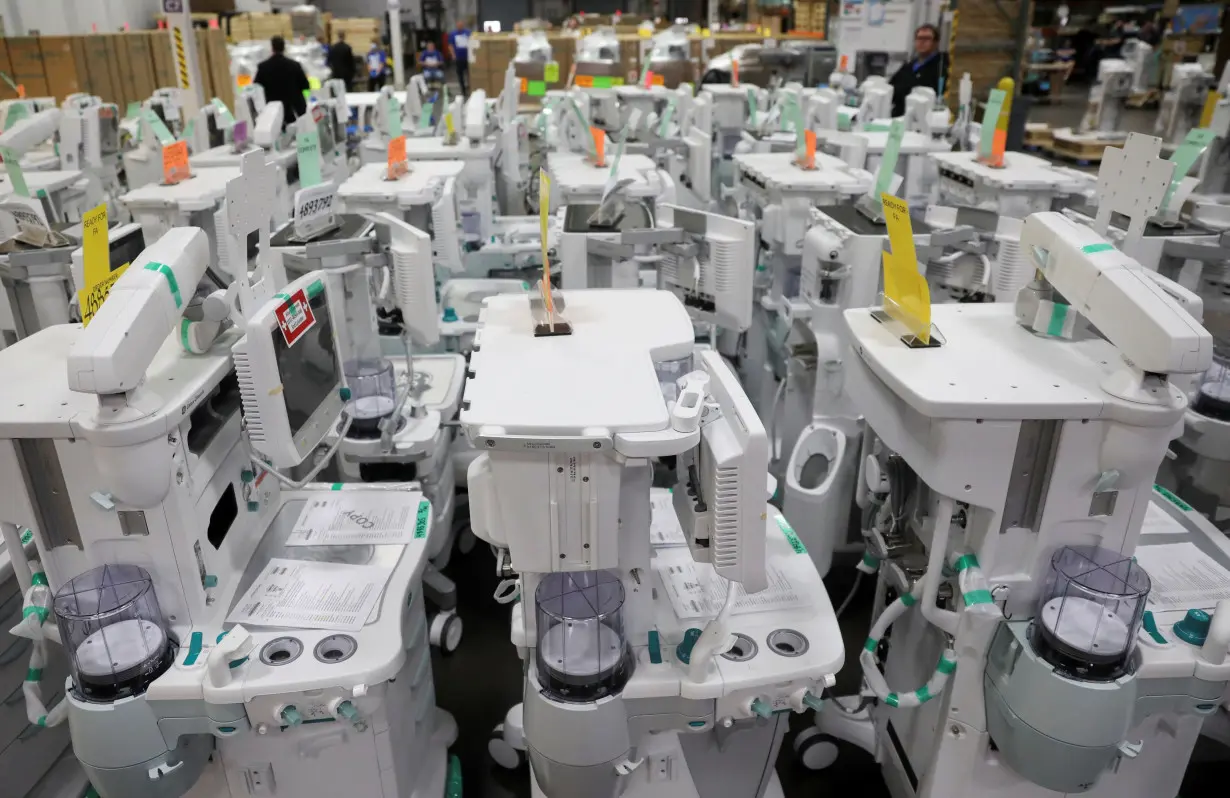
{"points": [[244, 81], [998, 145], [734, 72], [525, 85], [397, 158], [21, 91], [809, 155], [599, 145], [175, 163], [845, 61], [585, 81]]}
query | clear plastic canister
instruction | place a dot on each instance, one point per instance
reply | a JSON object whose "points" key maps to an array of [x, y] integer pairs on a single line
{"points": [[1090, 610], [582, 652], [113, 630], [1212, 398], [373, 394]]}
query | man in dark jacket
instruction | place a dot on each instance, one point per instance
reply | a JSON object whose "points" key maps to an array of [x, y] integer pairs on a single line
{"points": [[283, 80], [929, 67], [341, 60]]}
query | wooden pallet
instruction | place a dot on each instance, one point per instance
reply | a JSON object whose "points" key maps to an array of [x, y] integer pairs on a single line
{"points": [[1038, 136], [1081, 149]]}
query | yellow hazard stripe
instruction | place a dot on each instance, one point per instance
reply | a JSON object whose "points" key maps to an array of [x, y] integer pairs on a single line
{"points": [[185, 81]]}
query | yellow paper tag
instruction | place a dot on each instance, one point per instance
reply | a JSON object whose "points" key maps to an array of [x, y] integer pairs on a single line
{"points": [[906, 297], [448, 124], [544, 213], [98, 276], [1210, 105]]}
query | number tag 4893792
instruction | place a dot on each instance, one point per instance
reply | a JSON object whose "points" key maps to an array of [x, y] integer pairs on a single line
{"points": [[315, 210]]}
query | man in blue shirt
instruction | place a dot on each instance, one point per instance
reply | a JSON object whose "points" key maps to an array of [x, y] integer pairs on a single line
{"points": [[377, 65], [459, 44]]}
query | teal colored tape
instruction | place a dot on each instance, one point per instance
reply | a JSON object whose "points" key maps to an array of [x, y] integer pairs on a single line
{"points": [[891, 700], [42, 721], [194, 648], [966, 561], [1059, 315], [655, 647], [870, 560], [166, 272], [908, 599], [41, 612], [236, 663], [315, 288], [1093, 249], [184, 339], [871, 644], [38, 578], [420, 521], [34, 675], [336, 486], [978, 597], [923, 694], [1173, 499], [946, 665], [26, 537]]}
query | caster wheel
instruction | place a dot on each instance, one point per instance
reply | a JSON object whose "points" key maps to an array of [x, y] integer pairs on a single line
{"points": [[466, 540], [445, 632], [502, 753], [815, 749]]}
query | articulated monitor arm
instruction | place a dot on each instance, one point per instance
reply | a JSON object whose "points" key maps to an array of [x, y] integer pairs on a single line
{"points": [[1155, 335], [144, 307], [30, 132]]}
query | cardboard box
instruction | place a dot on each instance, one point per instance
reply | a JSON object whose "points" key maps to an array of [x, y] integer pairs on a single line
{"points": [[26, 60], [6, 91], [84, 81], [60, 66], [164, 63], [120, 74], [141, 61], [202, 61], [96, 64], [219, 68]]}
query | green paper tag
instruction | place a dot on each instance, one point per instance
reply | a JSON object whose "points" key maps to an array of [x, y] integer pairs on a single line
{"points": [[888, 163], [607, 82], [17, 112], [796, 119], [224, 113], [536, 88], [1185, 156], [161, 131], [425, 118], [990, 118], [308, 147], [134, 110], [420, 521], [551, 72], [12, 165], [394, 111]]}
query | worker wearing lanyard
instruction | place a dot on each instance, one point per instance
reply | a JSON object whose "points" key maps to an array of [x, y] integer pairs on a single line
{"points": [[929, 68]]}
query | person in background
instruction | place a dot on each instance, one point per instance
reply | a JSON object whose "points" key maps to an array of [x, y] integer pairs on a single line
{"points": [[283, 80], [459, 44], [928, 68], [377, 66], [341, 61], [431, 61]]}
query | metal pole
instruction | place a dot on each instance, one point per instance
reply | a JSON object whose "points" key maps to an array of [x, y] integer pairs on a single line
{"points": [[183, 52], [399, 67]]}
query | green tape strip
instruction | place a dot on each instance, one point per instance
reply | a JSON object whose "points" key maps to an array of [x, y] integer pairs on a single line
{"points": [[655, 647], [791, 537], [194, 648], [420, 521], [923, 694], [166, 272], [34, 675], [315, 289], [870, 644], [946, 665], [42, 721], [38, 577], [1093, 249], [336, 486], [41, 612], [978, 597], [1173, 499], [891, 700], [185, 326], [966, 561], [1059, 317], [908, 599]]}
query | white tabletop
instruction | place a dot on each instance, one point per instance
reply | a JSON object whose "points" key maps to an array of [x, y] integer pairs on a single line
{"points": [[197, 193], [413, 188]]}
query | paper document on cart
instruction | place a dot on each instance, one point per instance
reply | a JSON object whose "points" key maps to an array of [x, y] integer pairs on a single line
{"points": [[1158, 522], [664, 527], [695, 591], [347, 519], [1183, 577], [312, 595]]}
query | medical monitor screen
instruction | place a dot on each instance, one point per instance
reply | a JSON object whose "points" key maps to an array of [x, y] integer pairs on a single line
{"points": [[125, 250], [217, 136], [309, 369]]}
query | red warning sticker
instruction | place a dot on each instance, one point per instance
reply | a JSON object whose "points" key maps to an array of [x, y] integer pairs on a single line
{"points": [[295, 317]]}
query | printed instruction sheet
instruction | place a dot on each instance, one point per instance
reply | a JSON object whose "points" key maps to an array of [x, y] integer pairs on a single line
{"points": [[355, 518], [664, 528], [300, 594], [1183, 577], [1158, 522], [696, 591]]}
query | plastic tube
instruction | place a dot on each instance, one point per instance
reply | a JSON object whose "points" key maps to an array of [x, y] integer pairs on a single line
{"points": [[36, 606], [945, 620], [11, 535]]}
